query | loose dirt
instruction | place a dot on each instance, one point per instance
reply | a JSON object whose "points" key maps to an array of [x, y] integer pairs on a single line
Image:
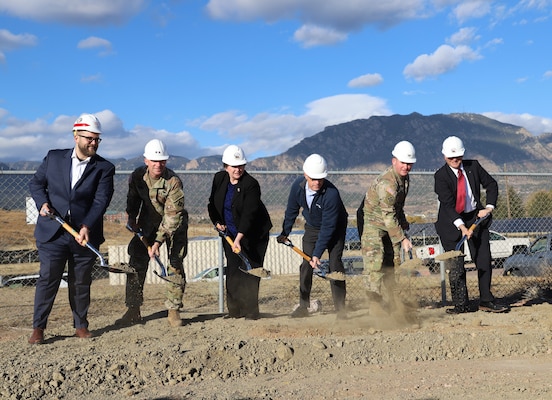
{"points": [[411, 353]]}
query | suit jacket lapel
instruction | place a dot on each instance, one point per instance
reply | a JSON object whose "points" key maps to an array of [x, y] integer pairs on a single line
{"points": [[87, 171], [66, 171]]}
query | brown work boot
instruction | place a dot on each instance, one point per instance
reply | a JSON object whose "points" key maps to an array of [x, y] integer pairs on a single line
{"points": [[37, 337], [131, 317], [174, 318]]}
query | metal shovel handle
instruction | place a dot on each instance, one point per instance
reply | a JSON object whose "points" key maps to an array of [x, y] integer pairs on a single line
{"points": [[143, 239]]}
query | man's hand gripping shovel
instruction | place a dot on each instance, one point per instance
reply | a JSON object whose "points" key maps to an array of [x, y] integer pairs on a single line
{"points": [[163, 275], [457, 252], [118, 268], [334, 276], [248, 269]]}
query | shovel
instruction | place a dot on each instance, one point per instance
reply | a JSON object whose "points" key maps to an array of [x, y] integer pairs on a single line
{"points": [[163, 275], [456, 252], [411, 263], [118, 268], [258, 272], [333, 276]]}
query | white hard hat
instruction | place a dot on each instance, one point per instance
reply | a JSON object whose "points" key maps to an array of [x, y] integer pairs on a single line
{"points": [[315, 167], [88, 122], [233, 156], [155, 151], [453, 147], [404, 152]]}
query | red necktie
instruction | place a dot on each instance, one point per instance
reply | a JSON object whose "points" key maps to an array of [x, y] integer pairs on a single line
{"points": [[461, 193]]}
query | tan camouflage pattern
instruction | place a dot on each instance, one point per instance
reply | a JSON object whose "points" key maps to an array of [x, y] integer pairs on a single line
{"points": [[175, 292], [167, 197], [383, 221], [168, 219]]}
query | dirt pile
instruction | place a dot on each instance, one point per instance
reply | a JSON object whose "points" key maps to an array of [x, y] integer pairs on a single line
{"points": [[410, 354]]}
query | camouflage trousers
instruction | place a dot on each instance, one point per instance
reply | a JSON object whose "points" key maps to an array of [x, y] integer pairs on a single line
{"points": [[380, 256], [139, 260]]}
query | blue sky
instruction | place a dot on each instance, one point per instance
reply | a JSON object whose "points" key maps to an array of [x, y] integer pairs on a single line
{"points": [[200, 75]]}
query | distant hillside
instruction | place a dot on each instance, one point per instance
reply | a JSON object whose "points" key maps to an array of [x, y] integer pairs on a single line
{"points": [[366, 144]]}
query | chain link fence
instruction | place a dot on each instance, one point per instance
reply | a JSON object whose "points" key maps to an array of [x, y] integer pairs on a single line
{"points": [[521, 222]]}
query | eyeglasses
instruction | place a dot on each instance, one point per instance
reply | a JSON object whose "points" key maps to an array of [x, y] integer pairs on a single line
{"points": [[91, 139]]}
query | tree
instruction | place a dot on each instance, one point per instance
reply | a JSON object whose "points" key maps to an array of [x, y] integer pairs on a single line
{"points": [[509, 205], [539, 204]]}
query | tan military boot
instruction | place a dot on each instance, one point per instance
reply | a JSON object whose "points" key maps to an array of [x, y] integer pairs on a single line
{"points": [[174, 318], [131, 317]]}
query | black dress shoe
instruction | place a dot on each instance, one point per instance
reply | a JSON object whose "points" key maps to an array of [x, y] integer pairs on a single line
{"points": [[490, 306], [458, 310]]}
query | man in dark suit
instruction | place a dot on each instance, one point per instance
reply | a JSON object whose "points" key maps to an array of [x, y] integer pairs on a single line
{"points": [[76, 184], [458, 186]]}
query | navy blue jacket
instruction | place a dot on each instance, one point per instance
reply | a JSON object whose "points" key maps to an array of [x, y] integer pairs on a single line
{"points": [[327, 212], [86, 202]]}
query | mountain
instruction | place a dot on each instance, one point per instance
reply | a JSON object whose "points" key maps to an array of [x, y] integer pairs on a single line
{"points": [[366, 144]]}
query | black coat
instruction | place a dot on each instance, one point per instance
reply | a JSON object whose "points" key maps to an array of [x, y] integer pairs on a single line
{"points": [[250, 214], [445, 187]]}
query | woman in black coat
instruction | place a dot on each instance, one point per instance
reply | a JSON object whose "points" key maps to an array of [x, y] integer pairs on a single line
{"points": [[235, 206]]}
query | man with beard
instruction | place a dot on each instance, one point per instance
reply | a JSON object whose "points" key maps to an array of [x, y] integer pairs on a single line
{"points": [[76, 184]]}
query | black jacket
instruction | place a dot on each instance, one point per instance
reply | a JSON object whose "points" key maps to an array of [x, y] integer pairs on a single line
{"points": [[249, 213], [445, 187]]}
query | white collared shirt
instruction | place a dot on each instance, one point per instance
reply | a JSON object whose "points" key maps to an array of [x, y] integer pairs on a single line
{"points": [[310, 194], [77, 168]]}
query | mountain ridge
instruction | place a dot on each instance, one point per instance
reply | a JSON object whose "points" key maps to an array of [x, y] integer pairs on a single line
{"points": [[366, 144]]}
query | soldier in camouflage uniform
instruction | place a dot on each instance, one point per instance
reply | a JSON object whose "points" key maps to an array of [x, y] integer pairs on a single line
{"points": [[155, 205], [385, 223]]}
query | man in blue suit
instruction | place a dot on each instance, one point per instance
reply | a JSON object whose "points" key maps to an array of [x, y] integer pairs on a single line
{"points": [[76, 184]]}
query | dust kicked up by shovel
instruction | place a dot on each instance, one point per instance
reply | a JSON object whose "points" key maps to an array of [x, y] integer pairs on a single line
{"points": [[259, 272], [335, 276], [120, 268], [447, 255]]}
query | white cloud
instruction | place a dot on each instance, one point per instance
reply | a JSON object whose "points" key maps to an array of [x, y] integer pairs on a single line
{"points": [[463, 36], [533, 123], [74, 12], [444, 59], [30, 140], [92, 78], [547, 74], [94, 42], [10, 41], [310, 36], [366, 81], [342, 16], [275, 133], [471, 9]]}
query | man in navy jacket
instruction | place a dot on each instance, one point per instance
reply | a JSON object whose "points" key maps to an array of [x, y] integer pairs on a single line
{"points": [[325, 228], [76, 184]]}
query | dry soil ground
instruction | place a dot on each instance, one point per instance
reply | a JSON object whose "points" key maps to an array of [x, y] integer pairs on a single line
{"points": [[408, 354], [412, 353]]}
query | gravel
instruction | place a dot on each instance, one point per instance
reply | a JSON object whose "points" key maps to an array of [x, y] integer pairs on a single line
{"points": [[411, 353]]}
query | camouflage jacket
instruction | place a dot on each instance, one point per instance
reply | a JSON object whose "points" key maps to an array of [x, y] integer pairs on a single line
{"points": [[157, 205], [384, 204]]}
